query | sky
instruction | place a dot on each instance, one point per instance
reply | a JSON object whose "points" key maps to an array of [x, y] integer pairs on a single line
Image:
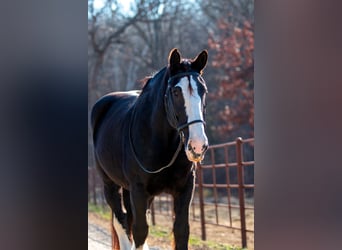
{"points": [[125, 4]]}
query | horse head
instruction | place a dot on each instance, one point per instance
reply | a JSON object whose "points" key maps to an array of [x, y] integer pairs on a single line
{"points": [[185, 102]]}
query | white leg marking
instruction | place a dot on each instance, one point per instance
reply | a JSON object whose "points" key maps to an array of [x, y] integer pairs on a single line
{"points": [[143, 247], [149, 222], [125, 244], [148, 217]]}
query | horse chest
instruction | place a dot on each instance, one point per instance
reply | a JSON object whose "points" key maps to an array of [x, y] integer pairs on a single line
{"points": [[169, 182]]}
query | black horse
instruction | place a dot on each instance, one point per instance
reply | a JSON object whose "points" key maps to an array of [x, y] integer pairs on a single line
{"points": [[146, 142]]}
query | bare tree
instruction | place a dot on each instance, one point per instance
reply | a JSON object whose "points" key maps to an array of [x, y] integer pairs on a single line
{"points": [[174, 25], [124, 46], [107, 27], [102, 35]]}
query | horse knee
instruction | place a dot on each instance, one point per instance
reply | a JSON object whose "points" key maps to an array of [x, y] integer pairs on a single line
{"points": [[129, 215], [181, 230]]}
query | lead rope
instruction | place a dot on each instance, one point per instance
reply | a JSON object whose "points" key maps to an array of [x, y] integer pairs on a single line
{"points": [[181, 139]]}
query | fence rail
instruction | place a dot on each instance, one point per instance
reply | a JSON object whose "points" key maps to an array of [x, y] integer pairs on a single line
{"points": [[223, 191]]}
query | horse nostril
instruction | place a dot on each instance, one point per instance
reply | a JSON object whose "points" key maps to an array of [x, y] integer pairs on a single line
{"points": [[191, 148], [205, 147]]}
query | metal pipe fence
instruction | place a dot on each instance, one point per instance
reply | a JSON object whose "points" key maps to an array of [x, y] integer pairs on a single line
{"points": [[224, 190]]}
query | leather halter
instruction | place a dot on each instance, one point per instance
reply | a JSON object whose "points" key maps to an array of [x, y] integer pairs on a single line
{"points": [[169, 108], [173, 121]]}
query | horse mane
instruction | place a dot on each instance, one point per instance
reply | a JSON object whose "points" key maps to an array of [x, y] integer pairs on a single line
{"points": [[146, 81]]}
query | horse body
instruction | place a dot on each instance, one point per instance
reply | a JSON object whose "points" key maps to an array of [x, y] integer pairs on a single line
{"points": [[110, 114], [133, 139]]}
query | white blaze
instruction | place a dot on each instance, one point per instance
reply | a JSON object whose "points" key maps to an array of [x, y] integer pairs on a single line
{"points": [[124, 242], [193, 109]]}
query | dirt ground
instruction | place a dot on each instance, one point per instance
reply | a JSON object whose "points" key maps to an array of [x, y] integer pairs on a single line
{"points": [[99, 237]]}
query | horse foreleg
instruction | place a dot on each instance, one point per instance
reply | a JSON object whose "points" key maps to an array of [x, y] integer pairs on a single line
{"points": [[115, 239], [129, 215], [140, 227], [113, 198], [181, 228]]}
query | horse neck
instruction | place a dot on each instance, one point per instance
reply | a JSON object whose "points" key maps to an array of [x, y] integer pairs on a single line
{"points": [[154, 124]]}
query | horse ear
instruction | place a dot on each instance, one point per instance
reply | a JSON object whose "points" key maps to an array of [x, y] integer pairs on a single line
{"points": [[174, 58], [200, 61]]}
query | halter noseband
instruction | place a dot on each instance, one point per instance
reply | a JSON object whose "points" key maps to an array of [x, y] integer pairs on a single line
{"points": [[169, 108]]}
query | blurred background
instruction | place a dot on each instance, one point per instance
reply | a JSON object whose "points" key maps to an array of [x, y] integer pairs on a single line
{"points": [[128, 40], [298, 99]]}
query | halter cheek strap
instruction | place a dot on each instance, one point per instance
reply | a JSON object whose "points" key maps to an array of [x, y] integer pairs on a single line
{"points": [[169, 108]]}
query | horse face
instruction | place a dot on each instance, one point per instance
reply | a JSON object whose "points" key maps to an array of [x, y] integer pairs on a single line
{"points": [[189, 102], [188, 95]]}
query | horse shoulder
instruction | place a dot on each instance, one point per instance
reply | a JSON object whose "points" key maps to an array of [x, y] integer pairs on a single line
{"points": [[105, 103]]}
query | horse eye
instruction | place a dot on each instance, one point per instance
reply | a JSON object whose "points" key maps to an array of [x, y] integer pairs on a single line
{"points": [[175, 92]]}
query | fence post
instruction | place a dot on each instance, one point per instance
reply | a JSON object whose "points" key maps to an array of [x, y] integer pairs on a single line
{"points": [[153, 214], [241, 191], [201, 200]]}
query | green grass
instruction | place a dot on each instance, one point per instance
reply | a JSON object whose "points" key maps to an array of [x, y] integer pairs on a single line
{"points": [[159, 232], [195, 241], [99, 210]]}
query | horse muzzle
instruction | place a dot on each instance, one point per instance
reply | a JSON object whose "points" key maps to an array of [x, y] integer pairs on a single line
{"points": [[195, 150]]}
